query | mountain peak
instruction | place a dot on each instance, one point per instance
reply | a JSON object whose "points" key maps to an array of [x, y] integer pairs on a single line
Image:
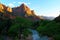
{"points": [[22, 4], [23, 10]]}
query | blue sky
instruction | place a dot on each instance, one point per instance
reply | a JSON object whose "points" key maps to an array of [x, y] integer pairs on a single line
{"points": [[41, 7]]}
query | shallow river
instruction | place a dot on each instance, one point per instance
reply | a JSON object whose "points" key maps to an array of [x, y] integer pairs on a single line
{"points": [[36, 36]]}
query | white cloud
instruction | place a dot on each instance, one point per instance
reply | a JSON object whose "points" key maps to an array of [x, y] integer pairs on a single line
{"points": [[24, 3], [11, 5], [19, 2]]}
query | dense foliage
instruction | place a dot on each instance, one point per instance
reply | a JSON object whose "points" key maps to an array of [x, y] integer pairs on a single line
{"points": [[15, 27], [49, 28]]}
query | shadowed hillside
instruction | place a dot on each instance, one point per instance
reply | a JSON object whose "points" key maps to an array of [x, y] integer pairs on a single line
{"points": [[57, 19]]}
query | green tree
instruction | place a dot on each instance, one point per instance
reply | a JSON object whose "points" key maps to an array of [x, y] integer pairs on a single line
{"points": [[19, 25]]}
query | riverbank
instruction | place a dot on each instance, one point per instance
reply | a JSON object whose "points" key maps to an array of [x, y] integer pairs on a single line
{"points": [[34, 36], [4, 37]]}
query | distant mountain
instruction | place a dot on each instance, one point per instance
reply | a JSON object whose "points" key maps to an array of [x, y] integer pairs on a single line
{"points": [[25, 11], [21, 11], [47, 18]]}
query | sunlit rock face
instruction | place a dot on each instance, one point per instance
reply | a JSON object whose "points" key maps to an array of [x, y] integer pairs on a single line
{"points": [[33, 13], [5, 11], [9, 9], [22, 10], [26, 9], [5, 8], [2, 8]]}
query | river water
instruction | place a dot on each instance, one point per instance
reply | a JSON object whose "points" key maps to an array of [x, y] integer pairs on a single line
{"points": [[36, 36]]}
